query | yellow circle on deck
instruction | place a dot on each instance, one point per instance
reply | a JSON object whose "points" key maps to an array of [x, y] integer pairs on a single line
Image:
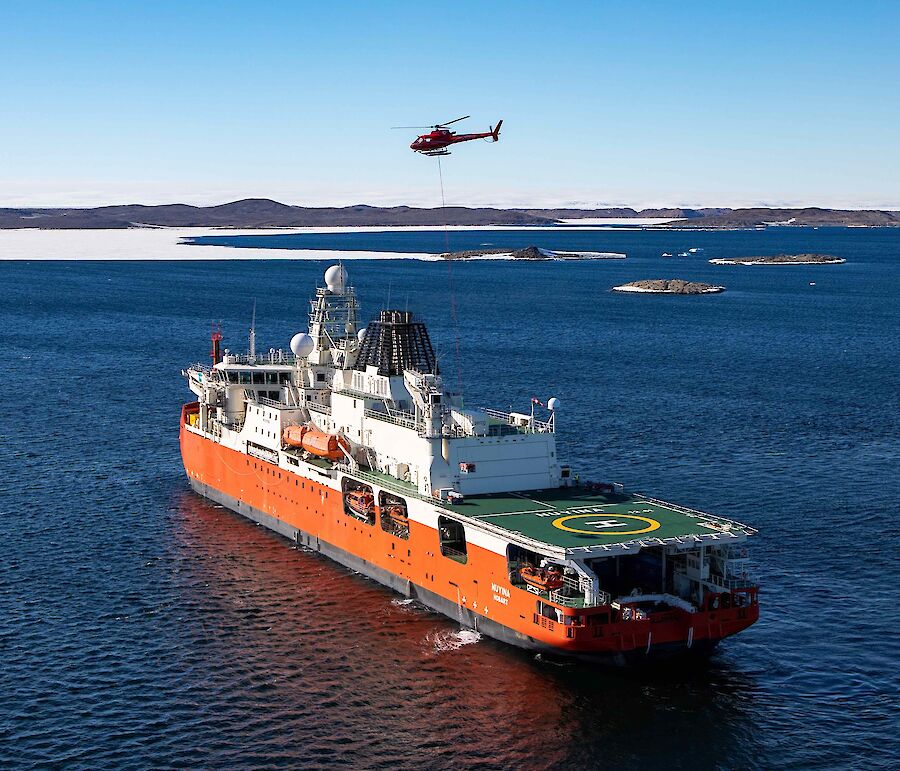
{"points": [[610, 529]]}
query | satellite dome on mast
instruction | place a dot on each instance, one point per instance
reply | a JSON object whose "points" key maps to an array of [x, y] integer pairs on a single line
{"points": [[553, 404], [335, 278], [302, 345]]}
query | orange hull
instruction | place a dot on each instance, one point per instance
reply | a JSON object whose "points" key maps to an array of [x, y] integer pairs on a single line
{"points": [[477, 592]]}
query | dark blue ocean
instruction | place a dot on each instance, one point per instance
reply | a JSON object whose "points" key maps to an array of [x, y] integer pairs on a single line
{"points": [[142, 627]]}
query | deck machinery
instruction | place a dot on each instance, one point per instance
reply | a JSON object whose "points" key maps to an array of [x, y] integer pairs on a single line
{"points": [[351, 444]]}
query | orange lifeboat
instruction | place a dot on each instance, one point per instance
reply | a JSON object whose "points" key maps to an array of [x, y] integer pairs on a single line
{"points": [[545, 580], [314, 441], [360, 501], [398, 515]]}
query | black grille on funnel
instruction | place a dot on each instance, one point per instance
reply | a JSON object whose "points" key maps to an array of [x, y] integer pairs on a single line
{"points": [[394, 343]]}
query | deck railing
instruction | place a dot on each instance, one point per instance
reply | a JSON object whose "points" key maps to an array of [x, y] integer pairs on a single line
{"points": [[695, 513], [454, 554], [405, 419], [532, 426], [732, 582]]}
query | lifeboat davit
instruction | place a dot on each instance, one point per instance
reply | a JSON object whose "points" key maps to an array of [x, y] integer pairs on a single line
{"points": [[315, 442], [544, 579]]}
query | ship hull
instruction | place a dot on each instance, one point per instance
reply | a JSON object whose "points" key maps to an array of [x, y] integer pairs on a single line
{"points": [[310, 513], [402, 586], [441, 605]]}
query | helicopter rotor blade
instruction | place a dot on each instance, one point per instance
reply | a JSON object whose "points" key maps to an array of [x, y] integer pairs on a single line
{"points": [[457, 120], [393, 128]]}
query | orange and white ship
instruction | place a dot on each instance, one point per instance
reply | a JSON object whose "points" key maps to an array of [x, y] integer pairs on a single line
{"points": [[350, 444]]}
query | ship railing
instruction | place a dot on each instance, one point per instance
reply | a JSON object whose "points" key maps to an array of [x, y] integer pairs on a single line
{"points": [[390, 483], [697, 514], [265, 401], [324, 409], [211, 373], [398, 418], [531, 426], [732, 582], [580, 601], [454, 554], [272, 356]]}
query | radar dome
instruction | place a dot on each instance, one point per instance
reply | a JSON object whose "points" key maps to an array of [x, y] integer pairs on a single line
{"points": [[302, 345], [553, 404], [335, 278], [361, 335]]}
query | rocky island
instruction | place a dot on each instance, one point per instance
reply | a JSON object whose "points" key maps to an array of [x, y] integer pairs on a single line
{"points": [[669, 286], [781, 259], [531, 253]]}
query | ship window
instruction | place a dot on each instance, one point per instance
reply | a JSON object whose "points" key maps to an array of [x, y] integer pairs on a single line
{"points": [[394, 515], [284, 377], [259, 378], [320, 377], [243, 377], [272, 377], [453, 539], [547, 610]]}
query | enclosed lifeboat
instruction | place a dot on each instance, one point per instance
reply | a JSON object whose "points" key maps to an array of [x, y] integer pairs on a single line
{"points": [[315, 442], [545, 579], [360, 501]]}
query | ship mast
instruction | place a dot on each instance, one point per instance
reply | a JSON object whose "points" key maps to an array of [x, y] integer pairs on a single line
{"points": [[252, 344]]}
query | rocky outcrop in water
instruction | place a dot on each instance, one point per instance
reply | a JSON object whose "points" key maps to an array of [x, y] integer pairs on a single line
{"points": [[669, 286], [529, 253], [781, 259]]}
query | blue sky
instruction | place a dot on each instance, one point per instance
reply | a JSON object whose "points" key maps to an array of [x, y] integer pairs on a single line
{"points": [[603, 103]]}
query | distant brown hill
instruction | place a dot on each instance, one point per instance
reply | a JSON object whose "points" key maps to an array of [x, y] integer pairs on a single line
{"points": [[263, 213], [812, 216], [259, 213]]}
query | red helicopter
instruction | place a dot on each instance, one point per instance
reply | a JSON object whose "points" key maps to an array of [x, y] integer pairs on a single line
{"points": [[440, 137]]}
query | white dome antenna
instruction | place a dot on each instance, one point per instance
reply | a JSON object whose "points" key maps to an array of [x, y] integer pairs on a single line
{"points": [[336, 278], [361, 335], [553, 404], [302, 345]]}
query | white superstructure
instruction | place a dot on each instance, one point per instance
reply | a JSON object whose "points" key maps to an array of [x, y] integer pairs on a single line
{"points": [[379, 389]]}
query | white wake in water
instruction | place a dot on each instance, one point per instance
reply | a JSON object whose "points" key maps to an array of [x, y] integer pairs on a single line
{"points": [[444, 640]]}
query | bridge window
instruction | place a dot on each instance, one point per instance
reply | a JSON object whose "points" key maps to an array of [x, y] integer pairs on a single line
{"points": [[453, 539], [272, 378], [259, 378], [244, 378], [394, 515]]}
